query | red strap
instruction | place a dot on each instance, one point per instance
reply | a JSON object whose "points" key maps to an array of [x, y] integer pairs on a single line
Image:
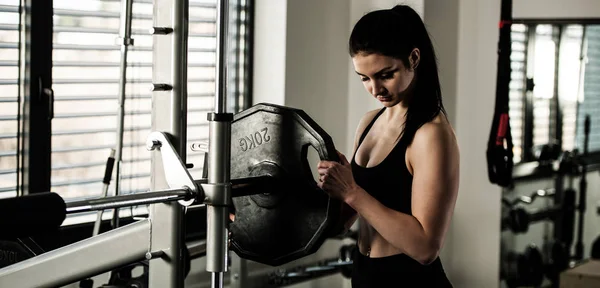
{"points": [[504, 22], [502, 128]]}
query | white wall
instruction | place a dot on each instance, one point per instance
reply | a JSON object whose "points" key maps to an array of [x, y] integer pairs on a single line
{"points": [[269, 51], [316, 63], [556, 9]]}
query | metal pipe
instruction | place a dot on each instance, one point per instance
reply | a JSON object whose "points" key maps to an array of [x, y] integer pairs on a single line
{"points": [[86, 258], [243, 186], [529, 199], [238, 272], [125, 33], [295, 275], [169, 115], [221, 54], [579, 248], [249, 58], [546, 214], [179, 66], [217, 279], [216, 238], [218, 192], [114, 202], [219, 187]]}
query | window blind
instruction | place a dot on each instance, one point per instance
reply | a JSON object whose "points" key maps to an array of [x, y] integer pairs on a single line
{"points": [[85, 82], [590, 103], [516, 104], [9, 97]]}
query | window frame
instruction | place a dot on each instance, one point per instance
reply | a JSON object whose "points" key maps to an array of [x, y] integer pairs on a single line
{"points": [[527, 168], [35, 84]]}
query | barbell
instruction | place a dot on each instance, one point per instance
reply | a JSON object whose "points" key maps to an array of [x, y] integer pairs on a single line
{"points": [[281, 213]]}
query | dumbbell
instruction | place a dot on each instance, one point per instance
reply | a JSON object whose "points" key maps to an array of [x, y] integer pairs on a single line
{"points": [[346, 255], [518, 219], [558, 260], [523, 269]]}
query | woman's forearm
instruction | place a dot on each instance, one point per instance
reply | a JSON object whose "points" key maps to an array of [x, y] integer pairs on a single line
{"points": [[348, 216], [401, 230]]}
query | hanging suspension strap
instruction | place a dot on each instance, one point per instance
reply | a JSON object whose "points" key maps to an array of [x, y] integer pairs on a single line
{"points": [[500, 146]]}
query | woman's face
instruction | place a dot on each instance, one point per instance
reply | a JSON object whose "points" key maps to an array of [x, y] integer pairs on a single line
{"points": [[386, 78]]}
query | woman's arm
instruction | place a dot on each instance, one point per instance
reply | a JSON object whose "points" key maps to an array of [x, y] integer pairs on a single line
{"points": [[349, 216], [434, 159]]}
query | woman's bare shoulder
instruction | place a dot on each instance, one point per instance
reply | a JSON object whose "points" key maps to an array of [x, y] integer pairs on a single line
{"points": [[438, 134], [366, 119]]}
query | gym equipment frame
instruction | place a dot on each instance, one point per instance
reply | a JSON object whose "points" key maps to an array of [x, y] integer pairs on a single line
{"points": [[159, 237]]}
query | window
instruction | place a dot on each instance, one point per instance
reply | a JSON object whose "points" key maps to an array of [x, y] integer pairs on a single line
{"points": [[589, 100], [542, 71], [9, 97], [86, 85], [569, 83], [555, 71], [85, 79], [517, 87]]}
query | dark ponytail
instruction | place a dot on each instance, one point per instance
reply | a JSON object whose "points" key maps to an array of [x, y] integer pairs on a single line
{"points": [[395, 33]]}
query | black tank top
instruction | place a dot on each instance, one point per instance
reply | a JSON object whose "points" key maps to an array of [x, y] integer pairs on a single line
{"points": [[389, 182]]}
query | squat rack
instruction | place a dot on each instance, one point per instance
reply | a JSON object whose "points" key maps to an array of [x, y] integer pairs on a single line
{"points": [[158, 238]]}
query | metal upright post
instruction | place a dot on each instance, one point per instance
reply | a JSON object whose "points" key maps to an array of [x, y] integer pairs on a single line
{"points": [[124, 41], [221, 57], [219, 186], [239, 272], [169, 114]]}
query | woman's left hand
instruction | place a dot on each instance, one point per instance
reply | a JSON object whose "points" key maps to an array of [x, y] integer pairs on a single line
{"points": [[336, 178]]}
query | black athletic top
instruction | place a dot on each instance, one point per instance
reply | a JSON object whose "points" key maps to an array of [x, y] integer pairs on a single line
{"points": [[390, 183]]}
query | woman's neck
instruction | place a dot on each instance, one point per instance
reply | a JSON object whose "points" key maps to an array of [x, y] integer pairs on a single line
{"points": [[396, 113]]}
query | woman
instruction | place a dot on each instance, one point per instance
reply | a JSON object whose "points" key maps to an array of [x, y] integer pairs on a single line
{"points": [[402, 182]]}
